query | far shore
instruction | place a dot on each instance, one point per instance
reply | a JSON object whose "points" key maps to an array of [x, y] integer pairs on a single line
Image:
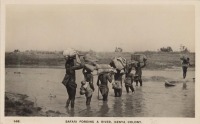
{"points": [[155, 60]]}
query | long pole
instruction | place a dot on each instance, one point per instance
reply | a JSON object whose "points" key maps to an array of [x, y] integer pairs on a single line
{"points": [[98, 92]]}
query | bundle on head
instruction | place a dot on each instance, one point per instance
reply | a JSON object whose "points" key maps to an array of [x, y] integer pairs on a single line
{"points": [[184, 57], [69, 52], [138, 57], [118, 63]]}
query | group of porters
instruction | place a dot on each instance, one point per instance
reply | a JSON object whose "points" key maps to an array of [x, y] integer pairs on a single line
{"points": [[112, 72]]}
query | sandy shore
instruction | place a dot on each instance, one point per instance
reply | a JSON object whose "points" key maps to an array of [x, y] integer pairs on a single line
{"points": [[18, 105]]}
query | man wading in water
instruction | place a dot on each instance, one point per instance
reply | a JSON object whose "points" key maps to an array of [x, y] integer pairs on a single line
{"points": [[138, 72], [118, 83], [104, 78], [70, 78], [129, 78], [185, 64], [89, 78]]}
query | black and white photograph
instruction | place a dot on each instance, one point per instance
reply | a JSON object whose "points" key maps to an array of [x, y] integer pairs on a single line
{"points": [[100, 60]]}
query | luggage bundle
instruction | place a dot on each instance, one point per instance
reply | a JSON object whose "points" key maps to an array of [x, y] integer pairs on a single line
{"points": [[85, 89], [90, 62], [91, 59], [116, 85], [90, 67], [99, 68], [104, 68], [138, 57], [70, 52], [184, 57], [118, 63]]}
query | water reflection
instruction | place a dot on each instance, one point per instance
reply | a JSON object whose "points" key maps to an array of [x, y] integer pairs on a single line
{"points": [[103, 110], [70, 112], [184, 86], [150, 100], [138, 101], [117, 107], [129, 109]]}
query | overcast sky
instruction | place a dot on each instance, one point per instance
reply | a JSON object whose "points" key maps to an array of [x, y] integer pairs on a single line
{"points": [[99, 27]]}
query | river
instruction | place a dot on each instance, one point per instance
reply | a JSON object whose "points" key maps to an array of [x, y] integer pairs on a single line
{"points": [[153, 99]]}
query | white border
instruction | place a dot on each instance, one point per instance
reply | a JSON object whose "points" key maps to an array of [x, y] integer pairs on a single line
{"points": [[144, 120]]}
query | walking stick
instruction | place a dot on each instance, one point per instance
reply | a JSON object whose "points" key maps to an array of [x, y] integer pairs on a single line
{"points": [[98, 92]]}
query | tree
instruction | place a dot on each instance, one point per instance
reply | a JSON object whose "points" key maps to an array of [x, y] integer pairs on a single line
{"points": [[16, 51], [166, 49]]}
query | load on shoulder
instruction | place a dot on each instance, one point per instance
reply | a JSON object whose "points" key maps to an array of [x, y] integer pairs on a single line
{"points": [[91, 62]]}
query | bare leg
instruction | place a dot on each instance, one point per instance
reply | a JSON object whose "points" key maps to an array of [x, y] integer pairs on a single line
{"points": [[132, 89], [88, 100], [115, 91], [136, 83], [67, 103], [120, 92], [72, 103], [127, 89], [140, 82]]}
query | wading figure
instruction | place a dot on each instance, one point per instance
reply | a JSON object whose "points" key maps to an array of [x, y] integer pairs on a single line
{"points": [[185, 64], [118, 84], [88, 78], [104, 78], [138, 72], [70, 78], [129, 78]]}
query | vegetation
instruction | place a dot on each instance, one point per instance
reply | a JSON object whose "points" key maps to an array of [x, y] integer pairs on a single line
{"points": [[155, 60], [167, 49]]}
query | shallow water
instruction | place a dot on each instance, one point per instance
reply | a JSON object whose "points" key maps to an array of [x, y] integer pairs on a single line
{"points": [[153, 99]]}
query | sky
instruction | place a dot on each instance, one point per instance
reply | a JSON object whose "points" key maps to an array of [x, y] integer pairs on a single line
{"points": [[99, 27]]}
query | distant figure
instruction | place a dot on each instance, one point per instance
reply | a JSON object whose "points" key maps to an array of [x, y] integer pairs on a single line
{"points": [[138, 72], [129, 78], [185, 64], [104, 78], [70, 78], [117, 86], [88, 78]]}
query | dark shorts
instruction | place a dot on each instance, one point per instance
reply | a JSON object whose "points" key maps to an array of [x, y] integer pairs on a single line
{"points": [[184, 69], [137, 78], [70, 86], [71, 92], [104, 89]]}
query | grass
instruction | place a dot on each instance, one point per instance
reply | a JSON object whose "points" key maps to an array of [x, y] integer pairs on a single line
{"points": [[156, 60]]}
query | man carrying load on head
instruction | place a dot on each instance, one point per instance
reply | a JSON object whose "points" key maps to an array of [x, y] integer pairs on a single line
{"points": [[104, 78], [129, 78], [117, 86], [70, 78], [138, 72], [119, 64], [185, 64]]}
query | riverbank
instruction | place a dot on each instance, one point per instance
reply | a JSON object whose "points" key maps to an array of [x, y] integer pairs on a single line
{"points": [[156, 60], [19, 105]]}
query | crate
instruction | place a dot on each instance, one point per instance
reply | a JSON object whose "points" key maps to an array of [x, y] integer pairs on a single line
{"points": [[138, 57]]}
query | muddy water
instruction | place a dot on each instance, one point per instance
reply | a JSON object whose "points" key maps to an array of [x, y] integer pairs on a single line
{"points": [[153, 99]]}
